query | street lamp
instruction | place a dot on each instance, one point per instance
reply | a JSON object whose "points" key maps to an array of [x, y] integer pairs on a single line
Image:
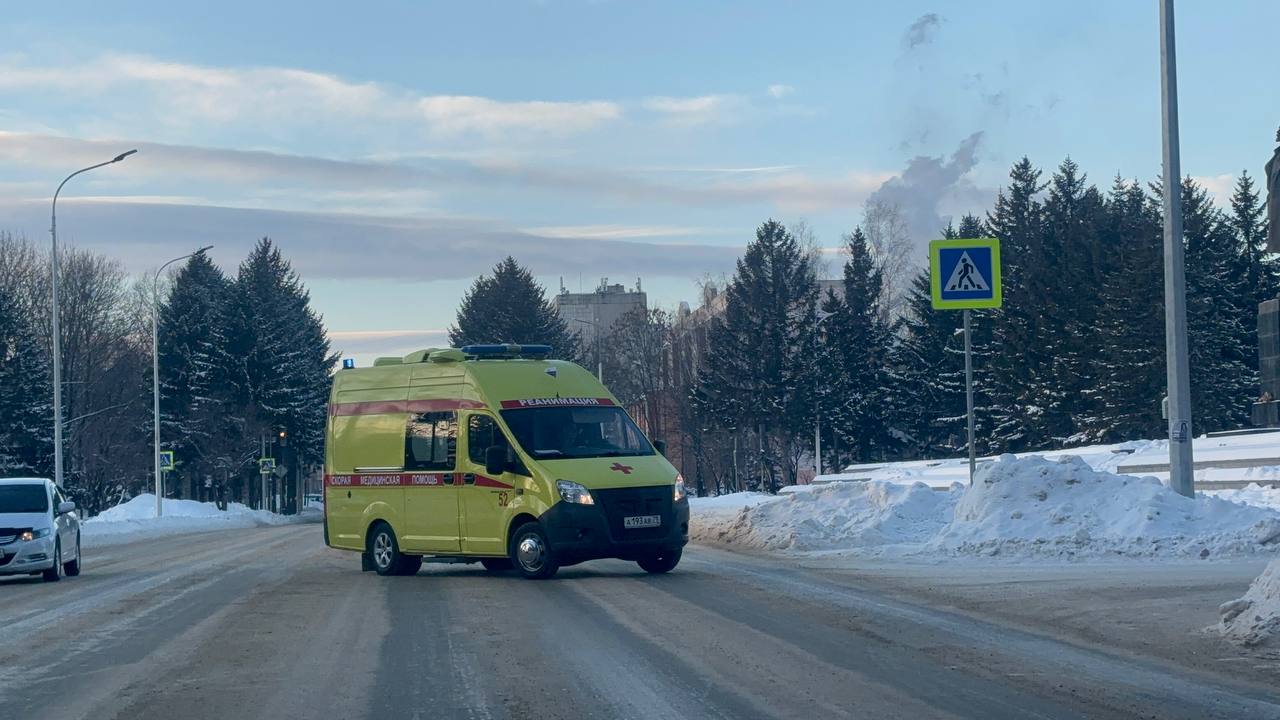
{"points": [[819, 316], [155, 371], [599, 356], [57, 335]]}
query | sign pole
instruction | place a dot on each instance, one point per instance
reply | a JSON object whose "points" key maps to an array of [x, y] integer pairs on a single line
{"points": [[968, 393], [1181, 472]]}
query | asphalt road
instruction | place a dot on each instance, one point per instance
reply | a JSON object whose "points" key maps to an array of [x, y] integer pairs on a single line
{"points": [[270, 624]]}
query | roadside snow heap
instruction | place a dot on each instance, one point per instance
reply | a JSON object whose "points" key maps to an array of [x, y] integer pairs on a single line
{"points": [[1254, 620], [1017, 508], [136, 519]]}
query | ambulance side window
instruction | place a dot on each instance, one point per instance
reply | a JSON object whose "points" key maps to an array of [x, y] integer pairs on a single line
{"points": [[431, 441]]}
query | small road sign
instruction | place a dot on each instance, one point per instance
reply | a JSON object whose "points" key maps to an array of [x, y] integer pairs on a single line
{"points": [[266, 465], [166, 460], [965, 274]]}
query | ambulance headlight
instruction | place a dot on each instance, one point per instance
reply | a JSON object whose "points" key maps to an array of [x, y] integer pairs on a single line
{"points": [[574, 492], [680, 491]]}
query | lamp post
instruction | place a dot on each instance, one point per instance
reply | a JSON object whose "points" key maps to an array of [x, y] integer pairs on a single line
{"points": [[819, 315], [155, 372], [57, 333]]}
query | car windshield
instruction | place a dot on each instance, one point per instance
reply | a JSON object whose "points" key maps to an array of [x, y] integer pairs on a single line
{"points": [[568, 432], [26, 498]]}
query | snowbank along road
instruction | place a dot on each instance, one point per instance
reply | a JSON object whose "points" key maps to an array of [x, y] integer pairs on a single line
{"points": [[268, 623]]}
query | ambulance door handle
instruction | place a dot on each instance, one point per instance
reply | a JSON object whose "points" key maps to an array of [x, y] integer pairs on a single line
{"points": [[469, 479]]}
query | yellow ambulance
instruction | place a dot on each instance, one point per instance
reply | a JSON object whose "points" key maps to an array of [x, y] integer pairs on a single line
{"points": [[493, 454]]}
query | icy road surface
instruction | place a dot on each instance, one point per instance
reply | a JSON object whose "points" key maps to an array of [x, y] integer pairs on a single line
{"points": [[268, 623]]}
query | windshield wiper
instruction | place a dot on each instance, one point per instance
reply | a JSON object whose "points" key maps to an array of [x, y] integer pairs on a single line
{"points": [[541, 453]]}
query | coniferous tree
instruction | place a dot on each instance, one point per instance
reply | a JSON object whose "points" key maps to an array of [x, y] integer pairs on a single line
{"points": [[1072, 247], [1260, 269], [1128, 358], [1021, 368], [858, 340], [1223, 368], [759, 376], [26, 410], [929, 357], [198, 374], [285, 363], [511, 307]]}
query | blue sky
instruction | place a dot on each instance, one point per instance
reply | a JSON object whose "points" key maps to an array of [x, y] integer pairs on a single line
{"points": [[397, 149]]}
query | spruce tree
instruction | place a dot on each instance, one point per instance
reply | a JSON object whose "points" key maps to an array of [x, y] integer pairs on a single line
{"points": [[858, 342], [1070, 277], [929, 357], [285, 364], [198, 373], [1222, 347], [1021, 368], [26, 409], [1259, 268], [1128, 358], [759, 372], [511, 307]]}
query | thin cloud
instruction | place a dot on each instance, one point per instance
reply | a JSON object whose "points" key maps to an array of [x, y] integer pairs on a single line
{"points": [[780, 91], [180, 95], [699, 110]]}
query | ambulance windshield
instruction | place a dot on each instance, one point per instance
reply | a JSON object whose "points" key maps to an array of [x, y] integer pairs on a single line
{"points": [[553, 433]]}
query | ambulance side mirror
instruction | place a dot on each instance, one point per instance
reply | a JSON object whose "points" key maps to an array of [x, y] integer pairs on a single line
{"points": [[660, 446], [495, 460]]}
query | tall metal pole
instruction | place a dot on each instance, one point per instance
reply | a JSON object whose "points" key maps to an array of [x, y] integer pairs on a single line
{"points": [[54, 311], [155, 374], [968, 393], [1181, 467]]}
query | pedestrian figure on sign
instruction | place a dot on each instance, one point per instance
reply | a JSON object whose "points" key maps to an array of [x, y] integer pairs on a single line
{"points": [[966, 269]]}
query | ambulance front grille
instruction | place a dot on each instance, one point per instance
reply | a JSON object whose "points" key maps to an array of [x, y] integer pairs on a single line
{"points": [[620, 503]]}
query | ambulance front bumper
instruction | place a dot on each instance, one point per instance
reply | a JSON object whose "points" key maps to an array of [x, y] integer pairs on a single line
{"points": [[608, 529]]}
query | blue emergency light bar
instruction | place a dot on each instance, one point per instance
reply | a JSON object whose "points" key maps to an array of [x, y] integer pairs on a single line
{"points": [[348, 363], [505, 351]]}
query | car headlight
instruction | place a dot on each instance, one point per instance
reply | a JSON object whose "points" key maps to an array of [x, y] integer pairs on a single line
{"points": [[30, 535], [681, 492], [574, 492]]}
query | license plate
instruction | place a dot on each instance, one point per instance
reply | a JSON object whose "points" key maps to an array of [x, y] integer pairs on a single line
{"points": [[641, 521]]}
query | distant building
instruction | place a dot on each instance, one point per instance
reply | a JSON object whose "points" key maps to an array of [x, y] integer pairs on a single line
{"points": [[593, 314]]}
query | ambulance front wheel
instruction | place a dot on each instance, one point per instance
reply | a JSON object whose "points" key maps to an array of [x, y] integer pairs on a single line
{"points": [[531, 553]]}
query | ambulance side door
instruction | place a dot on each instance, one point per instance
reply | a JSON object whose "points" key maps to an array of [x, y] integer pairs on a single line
{"points": [[430, 496], [485, 499]]}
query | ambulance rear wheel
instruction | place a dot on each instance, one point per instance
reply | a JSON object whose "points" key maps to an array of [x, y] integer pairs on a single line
{"points": [[531, 554], [662, 562], [385, 552]]}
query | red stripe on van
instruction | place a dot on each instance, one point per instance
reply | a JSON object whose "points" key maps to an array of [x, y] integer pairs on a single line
{"points": [[390, 480], [389, 407], [482, 481]]}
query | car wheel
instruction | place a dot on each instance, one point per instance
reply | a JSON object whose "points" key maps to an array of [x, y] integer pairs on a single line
{"points": [[495, 565], [531, 554], [54, 573], [662, 562], [72, 568], [383, 549]]}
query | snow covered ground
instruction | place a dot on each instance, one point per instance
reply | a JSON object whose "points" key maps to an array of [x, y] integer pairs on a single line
{"points": [[136, 520], [943, 473], [1254, 620], [1055, 508]]}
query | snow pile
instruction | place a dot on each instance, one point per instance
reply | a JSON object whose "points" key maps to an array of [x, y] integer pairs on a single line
{"points": [[1020, 508], [136, 519], [837, 516], [1254, 620], [1255, 494]]}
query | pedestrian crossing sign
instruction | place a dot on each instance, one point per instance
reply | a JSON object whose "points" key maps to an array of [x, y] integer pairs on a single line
{"points": [[166, 460], [965, 274]]}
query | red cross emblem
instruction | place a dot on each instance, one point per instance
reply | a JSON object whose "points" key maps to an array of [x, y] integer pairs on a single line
{"points": [[619, 467]]}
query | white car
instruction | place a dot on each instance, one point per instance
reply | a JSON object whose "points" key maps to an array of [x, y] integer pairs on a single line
{"points": [[39, 530]]}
